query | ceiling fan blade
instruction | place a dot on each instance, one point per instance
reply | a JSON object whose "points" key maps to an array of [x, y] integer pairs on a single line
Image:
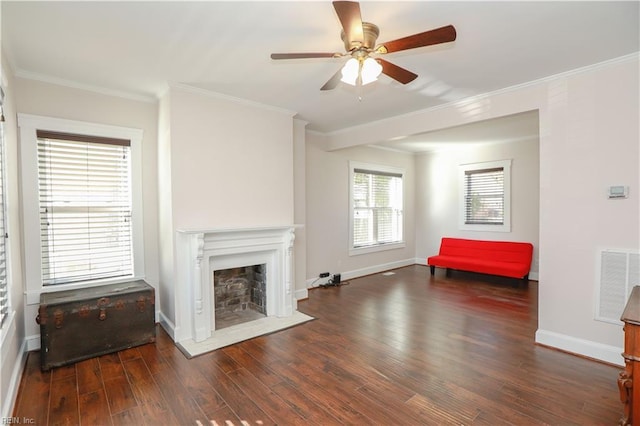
{"points": [[400, 74], [333, 81], [350, 18], [302, 55], [427, 38]]}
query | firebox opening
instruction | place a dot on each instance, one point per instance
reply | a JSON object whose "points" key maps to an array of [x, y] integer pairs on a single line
{"points": [[240, 295]]}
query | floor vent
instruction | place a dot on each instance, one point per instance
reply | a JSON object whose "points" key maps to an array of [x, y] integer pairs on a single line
{"points": [[619, 273]]}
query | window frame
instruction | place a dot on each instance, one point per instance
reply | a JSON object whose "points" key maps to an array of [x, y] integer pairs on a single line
{"points": [[462, 170], [354, 251], [28, 126], [72, 166], [6, 318]]}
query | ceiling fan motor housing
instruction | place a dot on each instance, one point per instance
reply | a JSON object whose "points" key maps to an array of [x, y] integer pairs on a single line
{"points": [[370, 35]]}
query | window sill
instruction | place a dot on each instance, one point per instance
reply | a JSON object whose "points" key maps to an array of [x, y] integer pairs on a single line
{"points": [[376, 248], [486, 228]]}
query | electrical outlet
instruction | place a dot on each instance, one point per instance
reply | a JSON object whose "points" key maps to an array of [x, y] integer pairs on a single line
{"points": [[324, 274]]}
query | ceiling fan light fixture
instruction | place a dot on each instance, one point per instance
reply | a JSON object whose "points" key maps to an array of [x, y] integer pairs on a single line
{"points": [[350, 72], [360, 41], [370, 71]]}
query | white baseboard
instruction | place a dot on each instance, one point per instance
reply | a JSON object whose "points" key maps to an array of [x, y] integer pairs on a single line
{"points": [[587, 348], [301, 294], [14, 383], [356, 273], [316, 282], [13, 359], [167, 325], [32, 342], [377, 269]]}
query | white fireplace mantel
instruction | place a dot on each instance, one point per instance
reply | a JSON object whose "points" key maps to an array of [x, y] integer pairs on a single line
{"points": [[201, 252]]}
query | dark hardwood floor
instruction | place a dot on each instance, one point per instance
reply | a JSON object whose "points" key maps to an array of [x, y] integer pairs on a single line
{"points": [[403, 349]]}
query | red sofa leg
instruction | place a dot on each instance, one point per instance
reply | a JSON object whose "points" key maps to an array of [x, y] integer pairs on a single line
{"points": [[433, 269]]}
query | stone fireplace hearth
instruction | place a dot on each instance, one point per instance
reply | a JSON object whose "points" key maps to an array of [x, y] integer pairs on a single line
{"points": [[203, 252]]}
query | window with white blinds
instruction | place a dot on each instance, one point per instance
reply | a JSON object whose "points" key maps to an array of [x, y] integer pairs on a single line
{"points": [[4, 285], [485, 190], [376, 206], [84, 189], [484, 196]]}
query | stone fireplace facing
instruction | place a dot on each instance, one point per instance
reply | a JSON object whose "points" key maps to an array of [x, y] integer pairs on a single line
{"points": [[263, 256]]}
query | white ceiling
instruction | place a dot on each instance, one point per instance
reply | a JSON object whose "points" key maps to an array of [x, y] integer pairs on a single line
{"points": [[137, 48]]}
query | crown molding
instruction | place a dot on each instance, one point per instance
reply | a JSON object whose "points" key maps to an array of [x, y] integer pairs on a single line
{"points": [[300, 121], [28, 75], [390, 149], [317, 132], [216, 95]]}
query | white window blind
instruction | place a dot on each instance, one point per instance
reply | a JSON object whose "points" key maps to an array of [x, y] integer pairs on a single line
{"points": [[377, 207], [484, 196], [4, 285], [85, 207]]}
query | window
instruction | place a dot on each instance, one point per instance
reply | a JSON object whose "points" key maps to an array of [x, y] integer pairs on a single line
{"points": [[85, 207], [485, 189], [81, 203], [484, 196], [4, 285], [376, 208]]}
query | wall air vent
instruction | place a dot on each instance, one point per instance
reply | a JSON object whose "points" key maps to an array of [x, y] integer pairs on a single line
{"points": [[619, 272]]}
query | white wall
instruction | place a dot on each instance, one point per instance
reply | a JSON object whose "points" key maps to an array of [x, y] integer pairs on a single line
{"points": [[327, 227], [231, 162], [438, 195], [300, 207], [588, 141], [226, 164], [165, 214], [44, 99]]}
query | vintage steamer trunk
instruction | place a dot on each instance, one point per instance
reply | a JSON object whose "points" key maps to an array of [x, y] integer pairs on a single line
{"points": [[80, 324]]}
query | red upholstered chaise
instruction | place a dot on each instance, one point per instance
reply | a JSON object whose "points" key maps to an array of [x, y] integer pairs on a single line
{"points": [[504, 258]]}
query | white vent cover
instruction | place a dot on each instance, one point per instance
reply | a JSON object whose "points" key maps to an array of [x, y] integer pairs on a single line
{"points": [[619, 273]]}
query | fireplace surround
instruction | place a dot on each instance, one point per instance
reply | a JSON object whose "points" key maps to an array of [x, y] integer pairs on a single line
{"points": [[202, 252]]}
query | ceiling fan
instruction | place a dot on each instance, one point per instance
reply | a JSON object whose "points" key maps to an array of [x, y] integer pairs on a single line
{"points": [[359, 39]]}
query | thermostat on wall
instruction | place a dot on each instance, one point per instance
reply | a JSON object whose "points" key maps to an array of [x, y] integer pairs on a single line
{"points": [[618, 191]]}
